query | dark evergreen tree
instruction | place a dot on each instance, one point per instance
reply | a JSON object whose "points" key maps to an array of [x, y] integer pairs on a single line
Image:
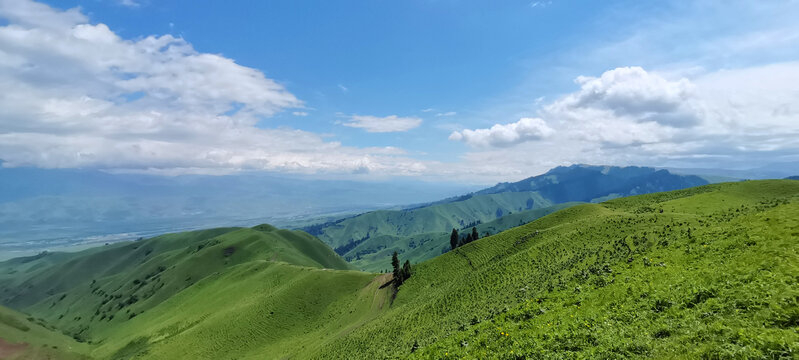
{"points": [[475, 235], [406, 270], [397, 271], [453, 239]]}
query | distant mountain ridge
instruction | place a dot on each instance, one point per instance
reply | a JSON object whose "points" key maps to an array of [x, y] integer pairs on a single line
{"points": [[369, 239], [706, 272], [588, 183]]}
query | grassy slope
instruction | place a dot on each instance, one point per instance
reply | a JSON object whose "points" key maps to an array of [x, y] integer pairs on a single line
{"points": [[85, 294], [368, 240], [713, 275], [40, 342], [255, 310], [375, 255], [436, 218], [221, 293]]}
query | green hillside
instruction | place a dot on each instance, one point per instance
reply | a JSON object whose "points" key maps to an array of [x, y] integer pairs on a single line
{"points": [[711, 276], [256, 310], [86, 293], [437, 218], [24, 337], [706, 272], [369, 239], [375, 255]]}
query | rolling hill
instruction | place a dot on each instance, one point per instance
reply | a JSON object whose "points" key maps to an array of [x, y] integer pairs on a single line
{"points": [[24, 337], [369, 239], [87, 293], [706, 272]]}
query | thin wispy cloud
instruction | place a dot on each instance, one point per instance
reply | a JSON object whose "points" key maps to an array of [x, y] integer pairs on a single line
{"points": [[129, 3], [376, 124]]}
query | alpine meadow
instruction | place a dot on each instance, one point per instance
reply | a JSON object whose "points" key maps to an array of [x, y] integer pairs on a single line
{"points": [[399, 180]]}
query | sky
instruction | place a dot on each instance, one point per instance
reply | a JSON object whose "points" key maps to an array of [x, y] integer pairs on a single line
{"points": [[438, 90]]}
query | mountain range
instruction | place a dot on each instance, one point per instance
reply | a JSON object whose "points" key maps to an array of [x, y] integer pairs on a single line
{"points": [[703, 272], [368, 240]]}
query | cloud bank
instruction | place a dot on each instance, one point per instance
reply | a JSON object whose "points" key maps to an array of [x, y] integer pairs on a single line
{"points": [[628, 115], [85, 97]]}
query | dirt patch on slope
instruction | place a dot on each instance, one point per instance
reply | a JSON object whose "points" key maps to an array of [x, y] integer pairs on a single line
{"points": [[8, 349]]}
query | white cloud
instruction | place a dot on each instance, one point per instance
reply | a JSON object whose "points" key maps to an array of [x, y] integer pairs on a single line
{"points": [[343, 88], [428, 110], [499, 135], [728, 118], [85, 97], [448, 113], [632, 92], [392, 123], [129, 3], [540, 4], [299, 113]]}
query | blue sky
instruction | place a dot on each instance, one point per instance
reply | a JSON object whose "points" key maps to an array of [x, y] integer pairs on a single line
{"points": [[393, 58], [479, 91]]}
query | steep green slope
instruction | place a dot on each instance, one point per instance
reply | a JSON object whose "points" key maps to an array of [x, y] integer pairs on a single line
{"points": [[705, 272], [86, 293], [375, 255], [23, 337], [437, 218], [369, 239], [256, 310]]}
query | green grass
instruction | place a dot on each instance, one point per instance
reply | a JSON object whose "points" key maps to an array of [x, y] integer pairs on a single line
{"points": [[34, 339], [428, 219], [253, 310], [369, 239], [84, 294], [613, 280], [707, 272], [375, 255]]}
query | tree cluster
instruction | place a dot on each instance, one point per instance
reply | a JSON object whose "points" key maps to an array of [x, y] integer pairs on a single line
{"points": [[456, 240], [401, 273]]}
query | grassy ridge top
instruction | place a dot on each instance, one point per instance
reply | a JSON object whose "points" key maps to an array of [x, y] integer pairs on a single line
{"points": [[704, 272], [84, 294]]}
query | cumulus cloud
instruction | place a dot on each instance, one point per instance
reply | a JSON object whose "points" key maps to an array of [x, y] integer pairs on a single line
{"points": [[727, 118], [635, 94], [623, 106], [375, 124], [503, 135], [85, 97]]}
